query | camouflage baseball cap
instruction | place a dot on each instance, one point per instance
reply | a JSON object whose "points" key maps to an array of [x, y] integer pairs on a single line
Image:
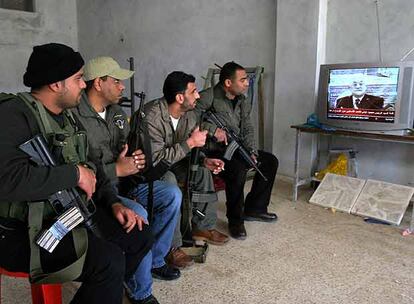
{"points": [[105, 66]]}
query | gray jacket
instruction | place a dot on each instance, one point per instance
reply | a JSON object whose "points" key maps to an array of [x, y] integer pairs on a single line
{"points": [[107, 136], [237, 118], [165, 142]]}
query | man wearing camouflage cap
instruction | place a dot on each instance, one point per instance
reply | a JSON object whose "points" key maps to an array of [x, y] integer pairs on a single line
{"points": [[101, 115]]}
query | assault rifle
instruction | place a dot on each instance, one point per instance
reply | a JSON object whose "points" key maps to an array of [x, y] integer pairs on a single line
{"points": [[197, 252], [191, 177], [68, 204], [138, 138], [235, 143], [191, 181]]}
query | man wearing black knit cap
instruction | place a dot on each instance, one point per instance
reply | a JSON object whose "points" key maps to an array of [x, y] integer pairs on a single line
{"points": [[54, 74]]}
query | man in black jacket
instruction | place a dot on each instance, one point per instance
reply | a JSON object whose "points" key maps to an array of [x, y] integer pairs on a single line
{"points": [[54, 74], [230, 105]]}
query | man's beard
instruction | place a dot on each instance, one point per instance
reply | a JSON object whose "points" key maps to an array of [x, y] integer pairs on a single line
{"points": [[64, 102], [186, 106]]}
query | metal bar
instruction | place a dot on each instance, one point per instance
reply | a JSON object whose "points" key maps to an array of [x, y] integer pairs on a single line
{"points": [[248, 70], [132, 85], [316, 161], [296, 181], [260, 107], [209, 79]]}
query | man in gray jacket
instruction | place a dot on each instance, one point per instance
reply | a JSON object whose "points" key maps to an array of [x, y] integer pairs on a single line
{"points": [[108, 127], [228, 102], [174, 132]]}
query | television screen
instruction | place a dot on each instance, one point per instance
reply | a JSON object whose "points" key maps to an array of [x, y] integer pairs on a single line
{"points": [[363, 94]]}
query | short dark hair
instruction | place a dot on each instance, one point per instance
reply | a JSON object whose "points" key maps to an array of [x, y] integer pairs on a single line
{"points": [[89, 83], [175, 83], [228, 71]]}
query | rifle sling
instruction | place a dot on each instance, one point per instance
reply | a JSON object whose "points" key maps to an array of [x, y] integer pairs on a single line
{"points": [[36, 214], [70, 272]]}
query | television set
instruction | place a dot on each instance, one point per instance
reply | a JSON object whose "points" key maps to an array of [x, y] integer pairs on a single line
{"points": [[375, 97]]}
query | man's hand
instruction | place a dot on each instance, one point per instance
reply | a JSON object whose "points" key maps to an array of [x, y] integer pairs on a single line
{"points": [[127, 218], [214, 165], [129, 165], [197, 138], [87, 181], [254, 157], [221, 136], [139, 159]]}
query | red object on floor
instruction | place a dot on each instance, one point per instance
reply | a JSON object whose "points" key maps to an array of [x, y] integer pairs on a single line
{"points": [[219, 183], [41, 294]]}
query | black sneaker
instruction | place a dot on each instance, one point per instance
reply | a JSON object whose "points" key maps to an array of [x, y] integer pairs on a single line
{"points": [[148, 300], [166, 273]]}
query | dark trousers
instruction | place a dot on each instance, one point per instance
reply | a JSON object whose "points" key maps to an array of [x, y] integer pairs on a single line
{"points": [[258, 198], [108, 262]]}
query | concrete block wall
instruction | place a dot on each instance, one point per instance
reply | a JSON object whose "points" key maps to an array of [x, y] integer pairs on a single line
{"points": [[167, 35], [52, 21], [346, 32], [352, 36], [289, 38]]}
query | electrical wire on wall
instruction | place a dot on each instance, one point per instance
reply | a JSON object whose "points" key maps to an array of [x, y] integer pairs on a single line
{"points": [[379, 35], [407, 54]]}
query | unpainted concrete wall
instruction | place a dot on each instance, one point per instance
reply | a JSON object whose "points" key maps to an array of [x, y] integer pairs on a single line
{"points": [[52, 21], [351, 36], [296, 60], [167, 35]]}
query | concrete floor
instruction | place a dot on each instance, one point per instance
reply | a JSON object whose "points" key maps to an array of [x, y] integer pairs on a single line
{"points": [[310, 255]]}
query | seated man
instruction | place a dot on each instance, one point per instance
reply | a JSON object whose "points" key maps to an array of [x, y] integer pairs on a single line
{"points": [[54, 74], [226, 99], [108, 127], [359, 99], [172, 126]]}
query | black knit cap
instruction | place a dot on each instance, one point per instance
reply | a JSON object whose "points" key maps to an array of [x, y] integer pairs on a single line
{"points": [[51, 63]]}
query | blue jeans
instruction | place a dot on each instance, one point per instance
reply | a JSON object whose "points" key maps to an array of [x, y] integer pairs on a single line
{"points": [[167, 203]]}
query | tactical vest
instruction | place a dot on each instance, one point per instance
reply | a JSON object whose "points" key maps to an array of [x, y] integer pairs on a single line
{"points": [[72, 144]]}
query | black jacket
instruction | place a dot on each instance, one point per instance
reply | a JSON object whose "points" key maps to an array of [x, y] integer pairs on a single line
{"points": [[20, 180]]}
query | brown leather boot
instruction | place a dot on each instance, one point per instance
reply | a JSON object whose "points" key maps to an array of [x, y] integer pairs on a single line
{"points": [[212, 236], [179, 259]]}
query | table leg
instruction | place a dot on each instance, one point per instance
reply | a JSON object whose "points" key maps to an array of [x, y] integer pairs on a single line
{"points": [[296, 168]]}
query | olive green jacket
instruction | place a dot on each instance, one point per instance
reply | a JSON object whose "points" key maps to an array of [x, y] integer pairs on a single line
{"points": [[165, 142], [238, 118], [107, 136]]}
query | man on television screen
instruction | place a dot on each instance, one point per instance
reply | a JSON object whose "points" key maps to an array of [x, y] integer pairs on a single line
{"points": [[359, 99]]}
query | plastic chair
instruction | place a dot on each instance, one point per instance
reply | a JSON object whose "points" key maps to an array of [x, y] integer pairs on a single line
{"points": [[41, 294], [219, 183]]}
